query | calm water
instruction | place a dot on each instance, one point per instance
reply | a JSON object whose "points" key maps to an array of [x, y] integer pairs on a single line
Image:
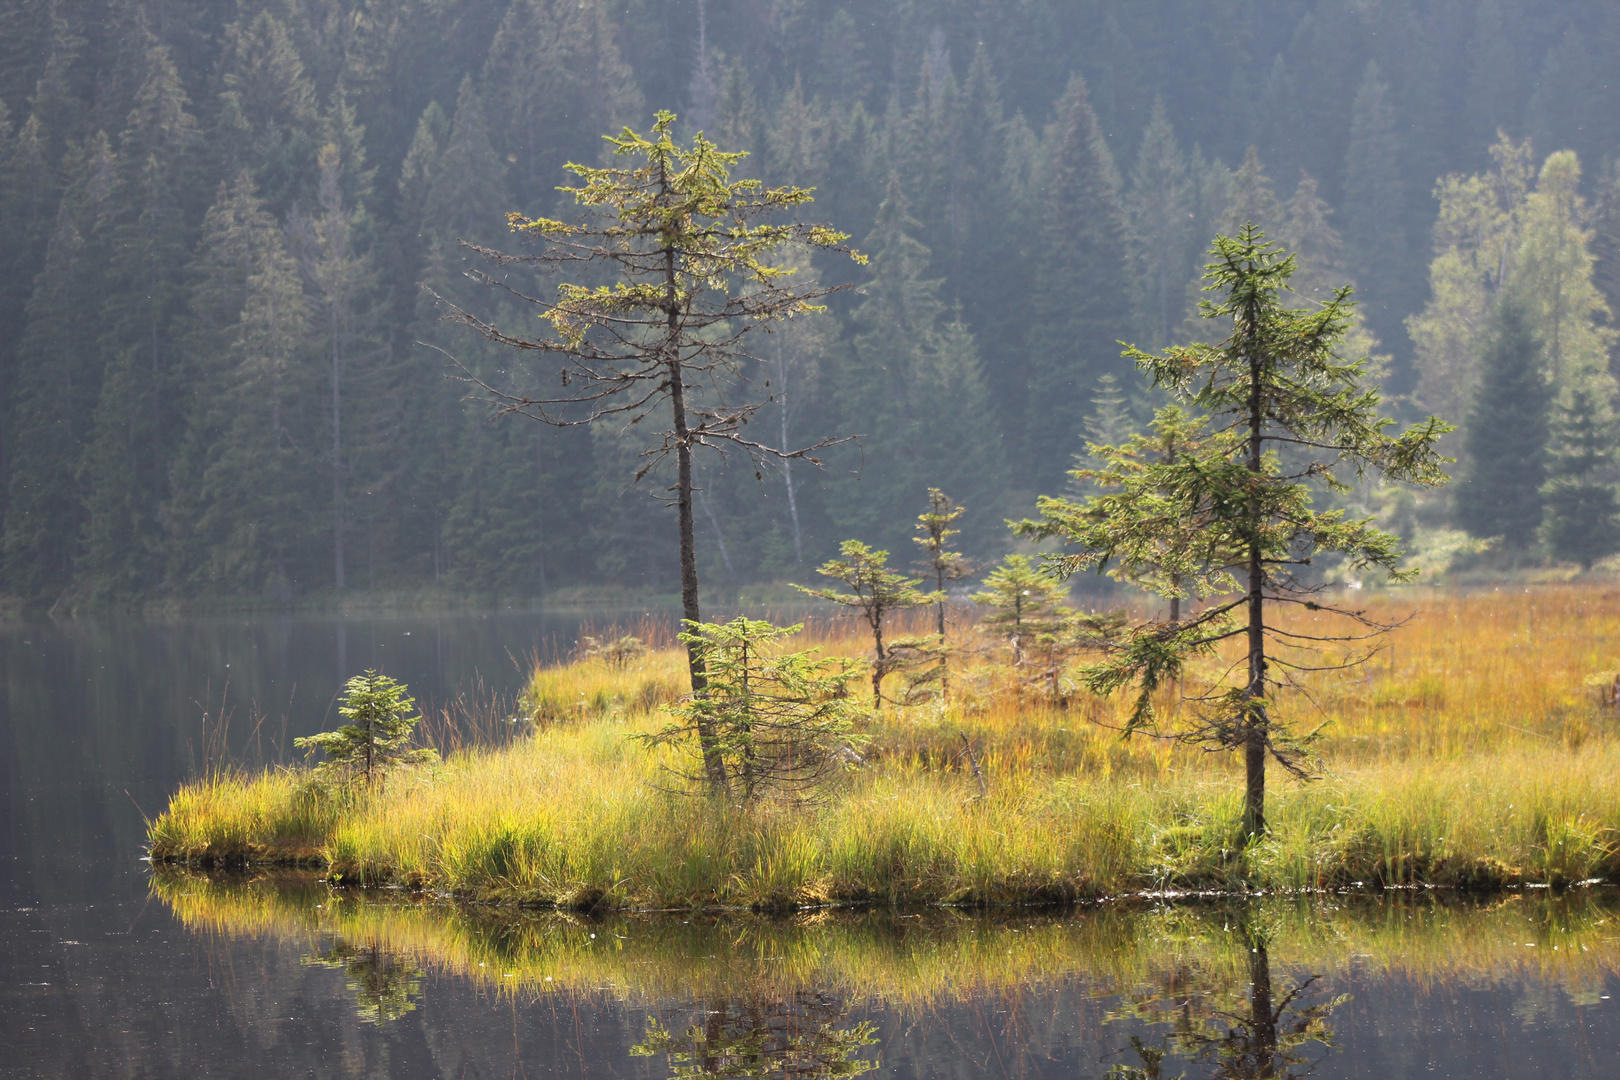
{"points": [[108, 971]]}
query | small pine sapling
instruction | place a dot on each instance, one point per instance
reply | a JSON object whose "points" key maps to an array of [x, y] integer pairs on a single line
{"points": [[945, 566], [783, 723], [1028, 607], [874, 591], [377, 736]]}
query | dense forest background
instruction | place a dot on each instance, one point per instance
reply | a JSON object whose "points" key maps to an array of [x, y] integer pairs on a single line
{"points": [[216, 220]]}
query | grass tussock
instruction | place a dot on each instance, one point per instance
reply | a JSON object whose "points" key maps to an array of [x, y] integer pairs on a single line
{"points": [[1476, 751]]}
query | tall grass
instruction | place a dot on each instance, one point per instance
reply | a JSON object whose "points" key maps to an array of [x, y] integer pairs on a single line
{"points": [[1475, 751]]}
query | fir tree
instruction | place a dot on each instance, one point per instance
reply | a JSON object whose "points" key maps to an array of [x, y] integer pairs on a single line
{"points": [[1506, 434], [1232, 518], [1080, 298], [1160, 211], [876, 592], [267, 110], [58, 381], [1374, 210], [557, 79], [1582, 511], [136, 423]]}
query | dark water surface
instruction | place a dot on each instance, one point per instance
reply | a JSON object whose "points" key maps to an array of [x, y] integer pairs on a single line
{"points": [[108, 971]]}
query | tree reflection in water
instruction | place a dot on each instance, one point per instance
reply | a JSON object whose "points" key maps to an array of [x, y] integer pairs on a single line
{"points": [[1257, 1036], [796, 1037], [384, 983]]}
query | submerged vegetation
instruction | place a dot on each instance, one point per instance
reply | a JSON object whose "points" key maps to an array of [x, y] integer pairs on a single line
{"points": [[1478, 750]]}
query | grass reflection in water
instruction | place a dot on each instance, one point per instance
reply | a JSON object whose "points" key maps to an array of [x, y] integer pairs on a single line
{"points": [[1240, 988]]}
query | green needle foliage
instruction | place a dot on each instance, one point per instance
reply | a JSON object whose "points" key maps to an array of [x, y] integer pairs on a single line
{"points": [[782, 723], [1582, 522], [874, 591], [378, 734], [697, 262], [1026, 601], [1179, 559], [1233, 514], [945, 565]]}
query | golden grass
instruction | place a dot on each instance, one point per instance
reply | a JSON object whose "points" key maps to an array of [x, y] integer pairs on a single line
{"points": [[1475, 751]]}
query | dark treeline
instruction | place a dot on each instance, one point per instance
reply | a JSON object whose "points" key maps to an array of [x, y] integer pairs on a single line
{"points": [[216, 219]]}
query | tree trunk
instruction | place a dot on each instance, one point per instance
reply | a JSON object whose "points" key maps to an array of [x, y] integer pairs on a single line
{"points": [[713, 766], [880, 664], [1262, 1015], [1254, 713]]}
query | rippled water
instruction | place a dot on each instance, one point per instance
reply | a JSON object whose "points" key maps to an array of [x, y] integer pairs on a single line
{"points": [[110, 970]]}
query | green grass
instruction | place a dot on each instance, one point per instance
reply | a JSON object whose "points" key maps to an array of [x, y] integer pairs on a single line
{"points": [[1475, 754]]}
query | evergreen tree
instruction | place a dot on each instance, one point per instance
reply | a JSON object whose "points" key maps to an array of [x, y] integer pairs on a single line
{"points": [[1306, 231], [241, 518], [266, 120], [896, 332], [1475, 246], [1160, 215], [557, 80], [1027, 602], [1552, 271], [1374, 205], [136, 424], [58, 381], [1582, 523], [1506, 433], [28, 193], [1231, 516], [1080, 298], [876, 592], [341, 280]]}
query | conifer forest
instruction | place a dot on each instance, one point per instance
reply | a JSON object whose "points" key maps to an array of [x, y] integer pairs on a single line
{"points": [[229, 233]]}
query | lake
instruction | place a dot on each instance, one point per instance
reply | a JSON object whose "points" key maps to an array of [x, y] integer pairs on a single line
{"points": [[108, 969]]}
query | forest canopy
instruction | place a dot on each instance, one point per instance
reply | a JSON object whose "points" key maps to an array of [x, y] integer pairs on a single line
{"points": [[222, 225]]}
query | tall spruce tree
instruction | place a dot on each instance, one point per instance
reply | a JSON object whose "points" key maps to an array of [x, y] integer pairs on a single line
{"points": [[1499, 493], [267, 117], [1374, 205], [59, 381], [1273, 385], [1160, 210], [1080, 299], [137, 422], [1582, 515]]}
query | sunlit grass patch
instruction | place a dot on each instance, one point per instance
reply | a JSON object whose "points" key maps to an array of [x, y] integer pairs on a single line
{"points": [[1477, 751]]}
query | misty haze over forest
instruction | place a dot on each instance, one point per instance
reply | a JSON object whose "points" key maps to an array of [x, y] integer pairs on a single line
{"points": [[220, 375]]}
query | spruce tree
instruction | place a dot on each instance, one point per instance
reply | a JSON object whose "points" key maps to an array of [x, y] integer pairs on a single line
{"points": [[59, 368], [557, 79], [267, 116], [136, 425], [1582, 509], [1232, 518], [1159, 204], [1080, 298], [1499, 493], [674, 231], [1374, 207]]}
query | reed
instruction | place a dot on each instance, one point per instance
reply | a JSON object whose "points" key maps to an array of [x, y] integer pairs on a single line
{"points": [[1476, 751]]}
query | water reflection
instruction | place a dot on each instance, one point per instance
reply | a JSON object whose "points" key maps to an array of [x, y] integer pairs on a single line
{"points": [[1271, 988], [801, 1036], [384, 983], [1240, 1035]]}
